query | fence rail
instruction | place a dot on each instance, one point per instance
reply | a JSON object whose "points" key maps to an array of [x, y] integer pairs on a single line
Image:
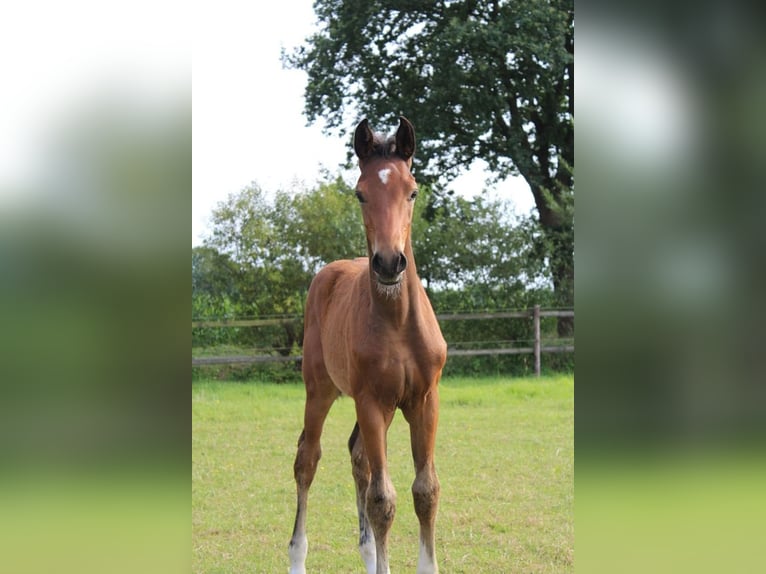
{"points": [[534, 313], [246, 322], [270, 321]]}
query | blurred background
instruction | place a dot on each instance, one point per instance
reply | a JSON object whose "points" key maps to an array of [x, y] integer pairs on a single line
{"points": [[670, 398], [95, 178]]}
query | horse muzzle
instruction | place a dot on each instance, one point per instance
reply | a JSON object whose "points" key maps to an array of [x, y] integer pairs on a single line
{"points": [[389, 270]]}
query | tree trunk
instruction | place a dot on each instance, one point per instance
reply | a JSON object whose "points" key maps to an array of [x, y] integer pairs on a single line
{"points": [[558, 228], [562, 270]]}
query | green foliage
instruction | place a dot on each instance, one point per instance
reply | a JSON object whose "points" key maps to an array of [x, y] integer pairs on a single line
{"points": [[325, 225], [482, 80], [474, 244], [477, 76], [263, 250], [213, 272], [280, 373]]}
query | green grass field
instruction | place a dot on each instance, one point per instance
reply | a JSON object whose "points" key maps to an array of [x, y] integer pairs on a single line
{"points": [[504, 455]]}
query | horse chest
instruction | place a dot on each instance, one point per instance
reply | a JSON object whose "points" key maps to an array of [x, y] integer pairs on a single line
{"points": [[407, 360]]}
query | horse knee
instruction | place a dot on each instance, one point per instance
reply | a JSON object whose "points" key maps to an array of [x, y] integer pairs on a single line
{"points": [[425, 493], [381, 504], [306, 461]]}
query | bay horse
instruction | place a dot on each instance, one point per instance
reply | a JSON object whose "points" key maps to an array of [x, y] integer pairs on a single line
{"points": [[371, 334]]}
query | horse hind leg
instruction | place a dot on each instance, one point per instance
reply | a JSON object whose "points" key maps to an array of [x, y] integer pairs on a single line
{"points": [[306, 463], [360, 469], [298, 548]]}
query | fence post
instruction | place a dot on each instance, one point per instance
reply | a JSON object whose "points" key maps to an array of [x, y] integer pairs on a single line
{"points": [[536, 317]]}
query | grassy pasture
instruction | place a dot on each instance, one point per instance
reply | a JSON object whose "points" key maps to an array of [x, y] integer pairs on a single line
{"points": [[505, 458]]}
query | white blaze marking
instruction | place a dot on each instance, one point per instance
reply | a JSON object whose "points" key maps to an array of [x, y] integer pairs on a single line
{"points": [[383, 175]]}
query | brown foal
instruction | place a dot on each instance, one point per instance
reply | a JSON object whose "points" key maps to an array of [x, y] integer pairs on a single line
{"points": [[371, 334]]}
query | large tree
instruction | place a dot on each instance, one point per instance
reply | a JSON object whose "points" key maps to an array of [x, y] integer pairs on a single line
{"points": [[482, 80]]}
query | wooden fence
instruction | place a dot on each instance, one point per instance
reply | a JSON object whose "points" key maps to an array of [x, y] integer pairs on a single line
{"points": [[535, 313]]}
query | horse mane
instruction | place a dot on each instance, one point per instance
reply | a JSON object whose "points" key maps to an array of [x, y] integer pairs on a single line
{"points": [[368, 144], [383, 146]]}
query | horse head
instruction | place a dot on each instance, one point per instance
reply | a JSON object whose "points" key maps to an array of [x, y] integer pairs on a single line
{"points": [[386, 191]]}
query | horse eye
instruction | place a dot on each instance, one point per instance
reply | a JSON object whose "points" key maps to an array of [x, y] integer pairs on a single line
{"points": [[360, 197], [413, 195]]}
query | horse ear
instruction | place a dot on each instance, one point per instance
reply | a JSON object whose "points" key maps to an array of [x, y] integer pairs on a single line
{"points": [[363, 139], [405, 139]]}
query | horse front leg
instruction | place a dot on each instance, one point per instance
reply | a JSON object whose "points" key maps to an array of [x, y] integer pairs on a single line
{"points": [[423, 419], [380, 500]]}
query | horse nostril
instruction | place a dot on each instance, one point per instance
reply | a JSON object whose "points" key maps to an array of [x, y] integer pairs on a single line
{"points": [[376, 265], [401, 263]]}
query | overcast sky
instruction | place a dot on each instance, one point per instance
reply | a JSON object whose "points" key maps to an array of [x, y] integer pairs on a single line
{"points": [[248, 121], [248, 111]]}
